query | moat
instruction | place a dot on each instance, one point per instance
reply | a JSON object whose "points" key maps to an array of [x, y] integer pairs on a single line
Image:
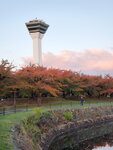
{"points": [[89, 136], [101, 143]]}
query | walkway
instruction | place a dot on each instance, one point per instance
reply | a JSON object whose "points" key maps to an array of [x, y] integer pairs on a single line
{"points": [[4, 111]]}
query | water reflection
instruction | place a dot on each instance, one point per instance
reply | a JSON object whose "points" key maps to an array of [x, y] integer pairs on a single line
{"points": [[101, 143], [104, 148]]}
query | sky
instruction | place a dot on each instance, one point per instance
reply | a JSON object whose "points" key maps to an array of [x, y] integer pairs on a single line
{"points": [[80, 35]]}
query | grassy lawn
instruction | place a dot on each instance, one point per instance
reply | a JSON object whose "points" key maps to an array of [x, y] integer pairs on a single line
{"points": [[6, 124], [63, 104], [60, 101], [76, 105]]}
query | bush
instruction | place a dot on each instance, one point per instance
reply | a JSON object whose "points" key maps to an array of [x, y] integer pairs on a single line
{"points": [[46, 114], [38, 112], [30, 129], [68, 115]]}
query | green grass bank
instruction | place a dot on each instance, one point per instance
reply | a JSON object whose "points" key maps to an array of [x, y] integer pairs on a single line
{"points": [[6, 126]]}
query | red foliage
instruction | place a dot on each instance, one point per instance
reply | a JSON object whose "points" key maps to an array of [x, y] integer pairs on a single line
{"points": [[38, 81]]}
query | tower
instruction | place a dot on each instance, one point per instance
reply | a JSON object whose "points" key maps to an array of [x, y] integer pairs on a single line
{"points": [[37, 29]]}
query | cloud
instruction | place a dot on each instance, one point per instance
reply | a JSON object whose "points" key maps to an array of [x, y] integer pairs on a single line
{"points": [[91, 61], [27, 60]]}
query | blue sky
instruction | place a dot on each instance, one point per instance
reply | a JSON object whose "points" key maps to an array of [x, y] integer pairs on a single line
{"points": [[75, 25]]}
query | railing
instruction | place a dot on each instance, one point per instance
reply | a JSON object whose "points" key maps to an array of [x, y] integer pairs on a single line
{"points": [[17, 108], [21, 108], [63, 105]]}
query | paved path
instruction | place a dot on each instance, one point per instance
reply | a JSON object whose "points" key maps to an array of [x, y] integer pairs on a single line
{"points": [[13, 111], [54, 107]]}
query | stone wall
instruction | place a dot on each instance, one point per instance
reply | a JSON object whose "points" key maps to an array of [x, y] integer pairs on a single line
{"points": [[70, 134]]}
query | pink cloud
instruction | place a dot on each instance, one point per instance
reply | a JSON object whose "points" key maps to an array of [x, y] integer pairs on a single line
{"points": [[88, 61], [27, 60]]}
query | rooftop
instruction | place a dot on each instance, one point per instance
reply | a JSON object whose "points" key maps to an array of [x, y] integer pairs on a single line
{"points": [[37, 21], [37, 26]]}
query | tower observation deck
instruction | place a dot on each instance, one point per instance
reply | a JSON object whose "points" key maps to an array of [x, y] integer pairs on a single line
{"points": [[37, 29]]}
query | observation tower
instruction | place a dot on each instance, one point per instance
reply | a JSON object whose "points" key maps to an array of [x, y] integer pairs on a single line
{"points": [[37, 29]]}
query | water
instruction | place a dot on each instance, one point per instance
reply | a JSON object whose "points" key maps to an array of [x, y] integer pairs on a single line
{"points": [[104, 148], [101, 143]]}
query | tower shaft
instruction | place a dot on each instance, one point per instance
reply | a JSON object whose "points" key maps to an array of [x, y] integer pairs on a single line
{"points": [[37, 49]]}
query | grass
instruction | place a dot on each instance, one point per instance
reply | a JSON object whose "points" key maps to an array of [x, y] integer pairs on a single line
{"points": [[76, 105], [6, 124], [54, 101], [62, 102]]}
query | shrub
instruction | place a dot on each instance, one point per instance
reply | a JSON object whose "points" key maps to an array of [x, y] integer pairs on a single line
{"points": [[38, 112], [32, 119], [30, 129], [47, 114], [68, 115]]}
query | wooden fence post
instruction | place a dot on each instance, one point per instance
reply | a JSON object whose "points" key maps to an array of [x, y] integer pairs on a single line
{"points": [[3, 111], [15, 108], [50, 105], [71, 104], [61, 104], [26, 107]]}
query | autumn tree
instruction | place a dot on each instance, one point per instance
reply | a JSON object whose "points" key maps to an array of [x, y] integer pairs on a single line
{"points": [[35, 81], [6, 78], [106, 86]]}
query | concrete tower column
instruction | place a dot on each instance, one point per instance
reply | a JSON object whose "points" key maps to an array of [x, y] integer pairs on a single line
{"points": [[37, 49]]}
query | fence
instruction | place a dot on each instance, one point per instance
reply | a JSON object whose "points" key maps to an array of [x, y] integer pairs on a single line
{"points": [[16, 108], [22, 108], [28, 107]]}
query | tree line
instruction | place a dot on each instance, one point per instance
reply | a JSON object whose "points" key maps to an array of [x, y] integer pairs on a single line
{"points": [[35, 81]]}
